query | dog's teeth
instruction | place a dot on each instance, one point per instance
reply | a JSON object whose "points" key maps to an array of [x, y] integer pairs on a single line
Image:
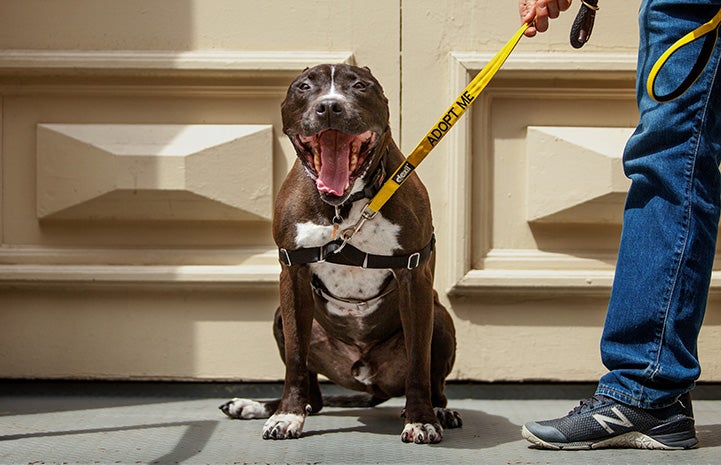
{"points": [[354, 150], [316, 159]]}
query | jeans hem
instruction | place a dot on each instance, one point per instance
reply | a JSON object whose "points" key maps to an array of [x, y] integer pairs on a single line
{"points": [[628, 398]]}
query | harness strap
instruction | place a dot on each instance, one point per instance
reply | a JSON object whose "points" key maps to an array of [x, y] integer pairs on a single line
{"points": [[336, 252], [359, 305]]}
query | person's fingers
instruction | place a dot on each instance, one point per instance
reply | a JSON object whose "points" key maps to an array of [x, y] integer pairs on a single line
{"points": [[526, 10], [564, 5], [553, 8], [538, 12], [527, 13], [541, 16]]}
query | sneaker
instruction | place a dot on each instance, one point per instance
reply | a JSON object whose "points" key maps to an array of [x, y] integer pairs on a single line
{"points": [[601, 422]]}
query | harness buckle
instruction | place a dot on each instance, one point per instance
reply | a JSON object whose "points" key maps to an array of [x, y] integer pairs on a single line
{"points": [[367, 213], [284, 256], [414, 260]]}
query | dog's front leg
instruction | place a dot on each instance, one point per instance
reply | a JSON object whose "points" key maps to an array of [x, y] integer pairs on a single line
{"points": [[296, 305], [416, 310]]}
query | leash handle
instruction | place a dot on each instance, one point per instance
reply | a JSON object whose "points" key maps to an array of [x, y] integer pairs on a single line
{"points": [[583, 24], [711, 31], [443, 125]]}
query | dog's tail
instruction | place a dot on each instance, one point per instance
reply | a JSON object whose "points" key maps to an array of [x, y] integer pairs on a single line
{"points": [[352, 400]]}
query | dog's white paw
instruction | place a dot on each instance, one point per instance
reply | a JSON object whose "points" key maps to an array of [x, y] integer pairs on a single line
{"points": [[422, 433], [283, 426], [244, 409]]}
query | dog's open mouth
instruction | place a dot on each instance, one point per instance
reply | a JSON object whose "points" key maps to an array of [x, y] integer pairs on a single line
{"points": [[336, 159]]}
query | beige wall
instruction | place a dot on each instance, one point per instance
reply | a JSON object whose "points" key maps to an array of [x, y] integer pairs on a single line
{"points": [[141, 149]]}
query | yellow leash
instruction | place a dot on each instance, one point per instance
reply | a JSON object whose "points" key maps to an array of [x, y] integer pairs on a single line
{"points": [[711, 28], [440, 129]]}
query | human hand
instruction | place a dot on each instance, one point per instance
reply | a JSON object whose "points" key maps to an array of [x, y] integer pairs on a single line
{"points": [[541, 10]]}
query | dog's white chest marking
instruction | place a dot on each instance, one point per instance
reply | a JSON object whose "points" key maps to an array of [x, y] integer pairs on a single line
{"points": [[377, 236]]}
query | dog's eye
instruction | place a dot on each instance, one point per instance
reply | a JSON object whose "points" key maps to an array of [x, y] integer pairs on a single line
{"points": [[303, 86], [360, 85]]}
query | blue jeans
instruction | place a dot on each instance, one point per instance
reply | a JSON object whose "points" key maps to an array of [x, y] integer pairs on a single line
{"points": [[671, 218]]}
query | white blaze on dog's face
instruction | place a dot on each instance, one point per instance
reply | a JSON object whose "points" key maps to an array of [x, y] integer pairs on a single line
{"points": [[335, 116], [333, 91]]}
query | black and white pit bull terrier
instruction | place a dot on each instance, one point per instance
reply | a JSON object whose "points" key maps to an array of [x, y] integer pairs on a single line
{"points": [[361, 310]]}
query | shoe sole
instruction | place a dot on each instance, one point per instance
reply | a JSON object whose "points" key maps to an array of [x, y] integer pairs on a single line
{"points": [[631, 440]]}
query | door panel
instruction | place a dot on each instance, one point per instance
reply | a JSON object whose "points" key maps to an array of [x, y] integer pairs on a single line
{"points": [[528, 188], [142, 148], [142, 151]]}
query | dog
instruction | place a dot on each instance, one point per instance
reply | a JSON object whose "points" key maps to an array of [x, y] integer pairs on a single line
{"points": [[356, 305]]}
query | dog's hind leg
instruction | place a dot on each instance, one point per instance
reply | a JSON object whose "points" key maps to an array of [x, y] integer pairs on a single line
{"points": [[246, 409]]}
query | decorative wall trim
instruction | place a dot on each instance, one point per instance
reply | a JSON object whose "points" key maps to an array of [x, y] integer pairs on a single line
{"points": [[154, 171], [520, 62], [231, 267], [206, 61], [137, 275], [545, 276], [575, 152]]}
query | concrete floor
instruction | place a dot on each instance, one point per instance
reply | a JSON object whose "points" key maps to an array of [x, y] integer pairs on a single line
{"points": [[130, 423]]}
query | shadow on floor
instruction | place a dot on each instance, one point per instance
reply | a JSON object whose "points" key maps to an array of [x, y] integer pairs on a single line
{"points": [[480, 430]]}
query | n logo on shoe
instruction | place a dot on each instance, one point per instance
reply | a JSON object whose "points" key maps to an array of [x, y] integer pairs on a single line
{"points": [[603, 420]]}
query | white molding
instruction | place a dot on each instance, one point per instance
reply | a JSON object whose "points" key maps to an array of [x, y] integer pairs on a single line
{"points": [[205, 61], [524, 282], [534, 259], [126, 274], [588, 283], [551, 61], [221, 266], [32, 255]]}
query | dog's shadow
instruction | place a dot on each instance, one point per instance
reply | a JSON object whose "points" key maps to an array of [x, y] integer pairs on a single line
{"points": [[480, 430], [709, 435]]}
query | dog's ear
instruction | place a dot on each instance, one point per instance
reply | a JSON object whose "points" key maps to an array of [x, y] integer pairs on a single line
{"points": [[367, 69], [305, 69]]}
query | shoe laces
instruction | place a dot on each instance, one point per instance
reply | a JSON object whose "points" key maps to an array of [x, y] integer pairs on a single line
{"points": [[588, 404]]}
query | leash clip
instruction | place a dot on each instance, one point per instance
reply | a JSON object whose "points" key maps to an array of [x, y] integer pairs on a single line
{"points": [[366, 215]]}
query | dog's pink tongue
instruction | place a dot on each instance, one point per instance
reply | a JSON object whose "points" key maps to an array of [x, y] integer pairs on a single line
{"points": [[335, 161]]}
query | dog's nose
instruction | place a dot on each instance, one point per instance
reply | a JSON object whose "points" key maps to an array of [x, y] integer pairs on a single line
{"points": [[329, 106]]}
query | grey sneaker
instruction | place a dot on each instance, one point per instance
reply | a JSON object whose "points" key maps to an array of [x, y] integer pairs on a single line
{"points": [[601, 422]]}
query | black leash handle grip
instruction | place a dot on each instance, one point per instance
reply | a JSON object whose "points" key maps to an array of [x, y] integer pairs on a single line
{"points": [[583, 24]]}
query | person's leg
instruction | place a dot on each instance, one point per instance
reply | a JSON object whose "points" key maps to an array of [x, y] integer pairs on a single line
{"points": [[665, 258], [670, 221]]}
